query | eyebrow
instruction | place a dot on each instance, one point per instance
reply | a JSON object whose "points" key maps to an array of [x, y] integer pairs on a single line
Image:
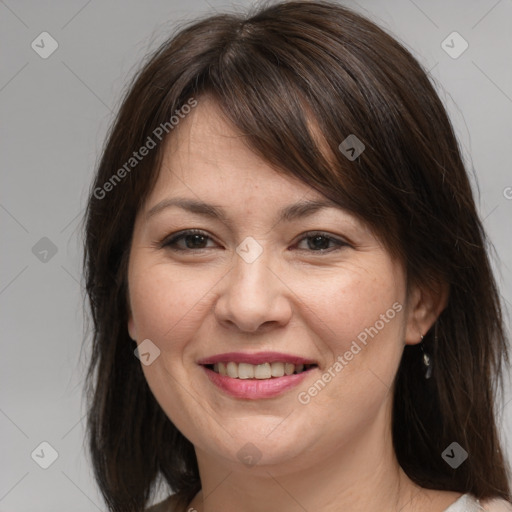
{"points": [[291, 212]]}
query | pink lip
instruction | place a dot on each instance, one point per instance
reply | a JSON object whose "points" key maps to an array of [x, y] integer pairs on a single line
{"points": [[256, 358], [255, 389]]}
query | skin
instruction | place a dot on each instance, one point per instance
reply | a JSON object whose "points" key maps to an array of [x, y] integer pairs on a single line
{"points": [[334, 452]]}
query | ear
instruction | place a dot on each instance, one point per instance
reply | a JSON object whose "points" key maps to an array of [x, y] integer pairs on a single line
{"points": [[131, 327], [424, 305], [132, 331]]}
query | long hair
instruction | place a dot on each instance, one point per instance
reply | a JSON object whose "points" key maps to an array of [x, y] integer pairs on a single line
{"points": [[277, 73]]}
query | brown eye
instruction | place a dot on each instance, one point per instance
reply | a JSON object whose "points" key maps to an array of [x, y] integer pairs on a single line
{"points": [[322, 242], [318, 242], [194, 241], [187, 240]]}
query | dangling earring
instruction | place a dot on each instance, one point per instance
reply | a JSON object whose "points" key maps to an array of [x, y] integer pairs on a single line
{"points": [[427, 360]]}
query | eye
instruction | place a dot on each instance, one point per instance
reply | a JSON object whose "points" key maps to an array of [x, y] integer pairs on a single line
{"points": [[196, 240], [189, 240], [322, 242]]}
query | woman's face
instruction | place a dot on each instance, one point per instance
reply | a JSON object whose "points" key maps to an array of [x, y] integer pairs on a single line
{"points": [[256, 293]]}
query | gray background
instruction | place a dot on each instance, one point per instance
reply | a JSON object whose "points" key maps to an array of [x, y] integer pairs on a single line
{"points": [[55, 113]]}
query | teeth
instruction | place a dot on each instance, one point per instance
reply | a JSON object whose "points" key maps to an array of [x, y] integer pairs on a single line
{"points": [[232, 369], [222, 369], [277, 369], [245, 371], [263, 371], [258, 371]]}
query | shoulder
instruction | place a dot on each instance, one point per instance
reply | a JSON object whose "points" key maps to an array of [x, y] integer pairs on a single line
{"points": [[496, 505]]}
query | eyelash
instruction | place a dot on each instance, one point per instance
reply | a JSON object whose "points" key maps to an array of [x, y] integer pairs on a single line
{"points": [[170, 242]]}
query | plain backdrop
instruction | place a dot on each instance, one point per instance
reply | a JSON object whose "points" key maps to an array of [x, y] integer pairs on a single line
{"points": [[54, 115]]}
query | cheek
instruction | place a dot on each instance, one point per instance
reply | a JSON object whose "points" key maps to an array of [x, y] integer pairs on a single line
{"points": [[350, 303], [362, 351], [356, 318], [168, 306]]}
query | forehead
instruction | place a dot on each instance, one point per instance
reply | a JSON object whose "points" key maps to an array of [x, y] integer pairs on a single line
{"points": [[207, 156]]}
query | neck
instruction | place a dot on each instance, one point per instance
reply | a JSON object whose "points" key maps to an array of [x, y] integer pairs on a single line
{"points": [[359, 476]]}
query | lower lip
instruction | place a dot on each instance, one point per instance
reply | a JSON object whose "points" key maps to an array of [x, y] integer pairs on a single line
{"points": [[255, 389]]}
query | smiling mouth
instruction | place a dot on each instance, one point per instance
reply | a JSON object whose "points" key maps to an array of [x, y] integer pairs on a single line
{"points": [[258, 371]]}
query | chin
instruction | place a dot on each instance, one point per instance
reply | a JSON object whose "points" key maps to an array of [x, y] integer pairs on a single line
{"points": [[260, 446]]}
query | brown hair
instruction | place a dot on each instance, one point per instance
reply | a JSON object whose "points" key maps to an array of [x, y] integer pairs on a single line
{"points": [[273, 72]]}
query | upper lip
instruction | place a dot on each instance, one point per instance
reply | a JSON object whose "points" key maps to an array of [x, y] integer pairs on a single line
{"points": [[255, 358]]}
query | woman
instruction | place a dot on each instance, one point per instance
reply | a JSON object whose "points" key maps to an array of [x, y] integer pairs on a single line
{"points": [[292, 301]]}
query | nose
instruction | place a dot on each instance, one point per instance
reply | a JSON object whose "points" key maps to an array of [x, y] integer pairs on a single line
{"points": [[253, 297]]}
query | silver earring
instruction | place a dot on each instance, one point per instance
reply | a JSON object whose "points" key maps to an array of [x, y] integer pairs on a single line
{"points": [[427, 360]]}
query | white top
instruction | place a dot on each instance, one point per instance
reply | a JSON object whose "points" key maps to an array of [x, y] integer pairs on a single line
{"points": [[468, 503]]}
